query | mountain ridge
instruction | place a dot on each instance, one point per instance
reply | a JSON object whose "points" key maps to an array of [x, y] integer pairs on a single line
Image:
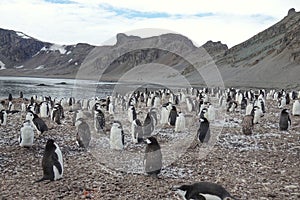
{"points": [[270, 58]]}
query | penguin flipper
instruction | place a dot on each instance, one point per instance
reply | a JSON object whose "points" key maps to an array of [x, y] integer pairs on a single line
{"points": [[56, 163]]}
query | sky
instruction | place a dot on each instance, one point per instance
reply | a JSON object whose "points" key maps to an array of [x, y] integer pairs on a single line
{"points": [[98, 21]]}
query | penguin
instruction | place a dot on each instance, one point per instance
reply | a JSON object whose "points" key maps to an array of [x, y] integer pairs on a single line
{"points": [[44, 109], [111, 109], [11, 106], [21, 95], [116, 140], [190, 105], [165, 112], [137, 131], [55, 116], [99, 120], [284, 120], [83, 133], [211, 113], [248, 122], [258, 113], [296, 108], [52, 162], [148, 126], [23, 107], [153, 157], [37, 122], [180, 123], [3, 117], [172, 116], [203, 191], [204, 130], [10, 98], [27, 134], [131, 113], [282, 102]]}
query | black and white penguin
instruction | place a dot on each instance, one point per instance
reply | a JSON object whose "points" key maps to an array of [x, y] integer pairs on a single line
{"points": [[44, 109], [131, 113], [153, 157], [180, 123], [165, 112], [3, 117], [204, 130], [37, 122], [258, 114], [83, 133], [190, 104], [203, 191], [52, 162], [137, 131], [10, 98], [173, 116], [56, 115], [27, 135], [284, 120], [116, 140], [99, 120], [296, 108], [148, 126]]}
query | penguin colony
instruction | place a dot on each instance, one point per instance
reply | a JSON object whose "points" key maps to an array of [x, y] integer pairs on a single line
{"points": [[162, 108]]}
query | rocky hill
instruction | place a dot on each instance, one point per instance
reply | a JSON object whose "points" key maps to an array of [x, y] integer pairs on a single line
{"points": [[269, 59]]}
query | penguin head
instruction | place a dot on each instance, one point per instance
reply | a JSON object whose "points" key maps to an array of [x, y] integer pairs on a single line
{"points": [[29, 115], [285, 111], [117, 124], [151, 141], [50, 145]]}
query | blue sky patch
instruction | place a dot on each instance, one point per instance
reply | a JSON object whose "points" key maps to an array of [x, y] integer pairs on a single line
{"points": [[131, 14], [60, 1]]}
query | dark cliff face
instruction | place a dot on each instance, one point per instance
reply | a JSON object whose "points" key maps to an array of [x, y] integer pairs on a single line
{"points": [[16, 47]]}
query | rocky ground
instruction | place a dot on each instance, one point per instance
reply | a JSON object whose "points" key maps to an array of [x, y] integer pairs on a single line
{"points": [[264, 165]]}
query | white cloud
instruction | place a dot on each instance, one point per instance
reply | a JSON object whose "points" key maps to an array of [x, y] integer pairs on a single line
{"points": [[89, 21]]}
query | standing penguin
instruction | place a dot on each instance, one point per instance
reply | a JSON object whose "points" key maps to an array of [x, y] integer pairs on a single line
{"points": [[204, 130], [296, 108], [180, 123], [211, 113], [3, 117], [99, 120], [44, 109], [137, 131], [172, 116], [258, 113], [203, 191], [131, 113], [153, 157], [148, 126], [55, 116], [52, 162], [37, 122], [116, 140], [284, 120], [165, 112], [83, 134], [248, 121], [27, 135]]}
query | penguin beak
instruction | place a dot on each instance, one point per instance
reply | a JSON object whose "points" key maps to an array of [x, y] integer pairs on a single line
{"points": [[175, 188]]}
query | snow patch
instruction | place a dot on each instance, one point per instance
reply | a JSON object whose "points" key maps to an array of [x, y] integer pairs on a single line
{"points": [[2, 65], [22, 35], [19, 67], [40, 67], [55, 47]]}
